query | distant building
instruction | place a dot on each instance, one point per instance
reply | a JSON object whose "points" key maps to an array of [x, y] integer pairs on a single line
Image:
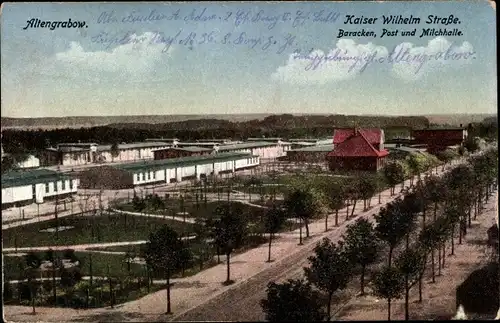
{"points": [[30, 162], [263, 149], [24, 187], [438, 139], [266, 139], [122, 176], [76, 154], [400, 152], [298, 143], [358, 149], [175, 152], [311, 154]]}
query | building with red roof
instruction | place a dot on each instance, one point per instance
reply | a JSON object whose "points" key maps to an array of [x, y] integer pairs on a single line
{"points": [[438, 139], [375, 136], [358, 149]]}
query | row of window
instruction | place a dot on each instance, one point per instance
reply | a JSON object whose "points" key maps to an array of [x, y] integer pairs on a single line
{"points": [[145, 176], [252, 160], [63, 186]]}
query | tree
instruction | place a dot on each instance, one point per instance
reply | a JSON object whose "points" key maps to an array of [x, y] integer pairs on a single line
{"points": [[362, 246], [336, 199], [367, 188], [389, 284], [115, 151], [471, 144], [446, 156], [275, 220], [353, 192], [301, 203], [33, 264], [156, 202], [435, 192], [392, 225], [138, 204], [330, 269], [69, 278], [164, 252], [292, 301], [410, 264], [230, 231], [417, 164], [394, 173], [8, 164], [55, 263]]}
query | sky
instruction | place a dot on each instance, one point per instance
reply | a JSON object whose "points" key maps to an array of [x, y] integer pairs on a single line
{"points": [[230, 58]]}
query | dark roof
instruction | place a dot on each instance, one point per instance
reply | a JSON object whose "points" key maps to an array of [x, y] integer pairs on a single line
{"points": [[29, 177], [357, 146], [183, 161], [247, 145], [188, 148], [441, 129], [315, 148], [373, 135], [135, 145]]}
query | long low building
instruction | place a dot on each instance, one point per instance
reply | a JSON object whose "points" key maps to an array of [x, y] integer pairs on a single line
{"points": [[311, 154], [24, 187], [263, 149], [170, 170], [75, 154]]}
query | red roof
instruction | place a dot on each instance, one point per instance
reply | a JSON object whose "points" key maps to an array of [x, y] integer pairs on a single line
{"points": [[373, 135], [357, 146]]}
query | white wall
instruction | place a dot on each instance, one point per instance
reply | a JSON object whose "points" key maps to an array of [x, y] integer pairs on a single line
{"points": [[146, 177], [25, 192], [15, 194], [60, 190], [81, 159], [187, 171], [31, 162], [204, 169]]}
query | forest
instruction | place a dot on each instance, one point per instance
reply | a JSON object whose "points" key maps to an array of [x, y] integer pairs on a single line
{"points": [[284, 126]]}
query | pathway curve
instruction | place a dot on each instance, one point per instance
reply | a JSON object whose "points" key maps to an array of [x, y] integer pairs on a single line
{"points": [[81, 247], [203, 296]]}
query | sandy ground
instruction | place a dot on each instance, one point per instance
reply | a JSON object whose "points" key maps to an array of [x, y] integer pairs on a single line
{"points": [[439, 297], [196, 294], [250, 271]]}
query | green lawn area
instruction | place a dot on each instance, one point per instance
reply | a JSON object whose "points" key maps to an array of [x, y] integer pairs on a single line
{"points": [[88, 229]]}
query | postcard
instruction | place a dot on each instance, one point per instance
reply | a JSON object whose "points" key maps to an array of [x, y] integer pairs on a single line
{"points": [[249, 161]]}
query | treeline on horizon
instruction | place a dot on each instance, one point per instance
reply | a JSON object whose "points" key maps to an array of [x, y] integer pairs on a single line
{"points": [[284, 126]]}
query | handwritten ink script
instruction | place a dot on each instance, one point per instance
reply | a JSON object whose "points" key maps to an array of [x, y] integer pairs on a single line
{"points": [[185, 36], [237, 17], [397, 55], [227, 30]]}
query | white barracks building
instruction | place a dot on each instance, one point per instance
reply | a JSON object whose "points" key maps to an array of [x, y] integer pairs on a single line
{"points": [[35, 186]]}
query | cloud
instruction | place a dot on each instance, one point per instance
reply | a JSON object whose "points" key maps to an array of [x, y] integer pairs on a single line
{"points": [[439, 54], [318, 67], [139, 55], [348, 59]]}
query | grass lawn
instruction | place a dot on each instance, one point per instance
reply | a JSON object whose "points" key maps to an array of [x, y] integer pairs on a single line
{"points": [[88, 229], [197, 210]]}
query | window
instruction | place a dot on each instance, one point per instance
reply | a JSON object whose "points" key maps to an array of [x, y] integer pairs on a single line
{"points": [[47, 189], [154, 175], [72, 184], [63, 184]]}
